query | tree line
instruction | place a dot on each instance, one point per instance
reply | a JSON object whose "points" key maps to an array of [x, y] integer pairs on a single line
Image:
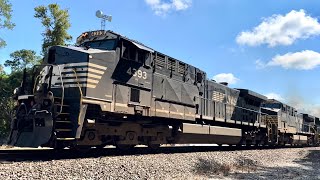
{"points": [[56, 23]]}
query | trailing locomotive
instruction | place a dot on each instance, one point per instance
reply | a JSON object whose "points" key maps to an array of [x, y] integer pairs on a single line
{"points": [[111, 90], [289, 127]]}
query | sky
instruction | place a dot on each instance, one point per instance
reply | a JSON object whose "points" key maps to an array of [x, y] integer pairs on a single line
{"points": [[268, 46]]}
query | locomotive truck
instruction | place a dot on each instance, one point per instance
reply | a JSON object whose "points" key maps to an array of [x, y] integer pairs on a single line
{"points": [[111, 90]]}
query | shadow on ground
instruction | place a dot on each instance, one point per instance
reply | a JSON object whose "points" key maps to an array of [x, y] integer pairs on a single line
{"points": [[307, 167]]}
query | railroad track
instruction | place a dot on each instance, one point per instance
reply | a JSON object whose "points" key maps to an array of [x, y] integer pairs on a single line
{"points": [[14, 155]]}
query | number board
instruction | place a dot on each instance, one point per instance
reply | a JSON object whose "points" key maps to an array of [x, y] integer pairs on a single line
{"points": [[137, 73], [97, 33], [89, 35]]}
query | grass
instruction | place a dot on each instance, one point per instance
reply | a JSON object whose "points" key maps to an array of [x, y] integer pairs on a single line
{"points": [[211, 167]]}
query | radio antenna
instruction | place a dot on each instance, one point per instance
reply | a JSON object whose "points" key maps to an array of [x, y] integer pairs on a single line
{"points": [[103, 18]]}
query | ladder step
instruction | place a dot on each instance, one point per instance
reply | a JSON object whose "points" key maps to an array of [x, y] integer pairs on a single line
{"points": [[63, 113], [64, 105], [66, 139], [64, 122], [63, 130]]}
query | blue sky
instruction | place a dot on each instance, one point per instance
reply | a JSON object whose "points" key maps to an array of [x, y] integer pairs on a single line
{"points": [[268, 46]]}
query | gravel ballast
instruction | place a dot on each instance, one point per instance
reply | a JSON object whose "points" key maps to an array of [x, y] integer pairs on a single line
{"points": [[288, 163]]}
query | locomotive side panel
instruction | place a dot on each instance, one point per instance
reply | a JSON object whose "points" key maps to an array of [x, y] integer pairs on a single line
{"points": [[249, 104], [102, 67], [308, 123], [132, 80], [288, 119], [174, 91], [216, 100]]}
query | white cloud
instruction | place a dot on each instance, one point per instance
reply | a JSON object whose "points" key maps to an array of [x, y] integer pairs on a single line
{"points": [[304, 60], [226, 77], [274, 96], [161, 8], [260, 64], [281, 30]]}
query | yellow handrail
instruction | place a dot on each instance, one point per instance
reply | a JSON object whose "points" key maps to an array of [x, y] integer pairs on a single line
{"points": [[81, 94]]}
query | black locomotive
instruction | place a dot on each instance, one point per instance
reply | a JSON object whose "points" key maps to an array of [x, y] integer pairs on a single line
{"points": [[111, 90]]}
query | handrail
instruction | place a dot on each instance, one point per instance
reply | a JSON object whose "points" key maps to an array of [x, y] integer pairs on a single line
{"points": [[41, 111], [34, 81], [81, 94], [35, 84], [62, 86], [259, 112], [260, 117]]}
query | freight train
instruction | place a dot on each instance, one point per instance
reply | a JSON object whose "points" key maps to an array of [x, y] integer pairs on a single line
{"points": [[111, 90]]}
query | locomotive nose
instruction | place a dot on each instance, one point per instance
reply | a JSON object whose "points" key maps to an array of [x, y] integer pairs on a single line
{"points": [[32, 123], [32, 129]]}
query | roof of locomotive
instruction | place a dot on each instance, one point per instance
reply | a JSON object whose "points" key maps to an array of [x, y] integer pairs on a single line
{"points": [[309, 118], [252, 94], [220, 86], [277, 101], [274, 101], [102, 34]]}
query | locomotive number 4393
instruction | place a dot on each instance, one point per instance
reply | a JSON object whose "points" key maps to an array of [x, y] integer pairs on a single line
{"points": [[137, 73]]}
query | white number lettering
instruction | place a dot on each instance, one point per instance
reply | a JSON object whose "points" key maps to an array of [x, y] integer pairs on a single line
{"points": [[134, 72], [139, 73], [144, 75], [129, 71]]}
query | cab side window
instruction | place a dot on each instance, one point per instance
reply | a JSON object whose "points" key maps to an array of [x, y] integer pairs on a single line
{"points": [[132, 53], [129, 52], [141, 56]]}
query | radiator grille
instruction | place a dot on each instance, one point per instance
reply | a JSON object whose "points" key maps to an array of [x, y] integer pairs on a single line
{"points": [[181, 68], [218, 96], [160, 61], [171, 64]]}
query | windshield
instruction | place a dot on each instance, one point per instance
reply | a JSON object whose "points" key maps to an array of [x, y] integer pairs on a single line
{"points": [[109, 44]]}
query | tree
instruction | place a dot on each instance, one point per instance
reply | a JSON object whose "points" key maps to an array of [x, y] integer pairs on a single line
{"points": [[7, 85], [8, 82], [2, 72], [56, 23], [6, 104], [5, 18], [22, 59]]}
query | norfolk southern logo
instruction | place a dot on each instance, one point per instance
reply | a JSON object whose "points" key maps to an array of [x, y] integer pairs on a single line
{"points": [[81, 74]]}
